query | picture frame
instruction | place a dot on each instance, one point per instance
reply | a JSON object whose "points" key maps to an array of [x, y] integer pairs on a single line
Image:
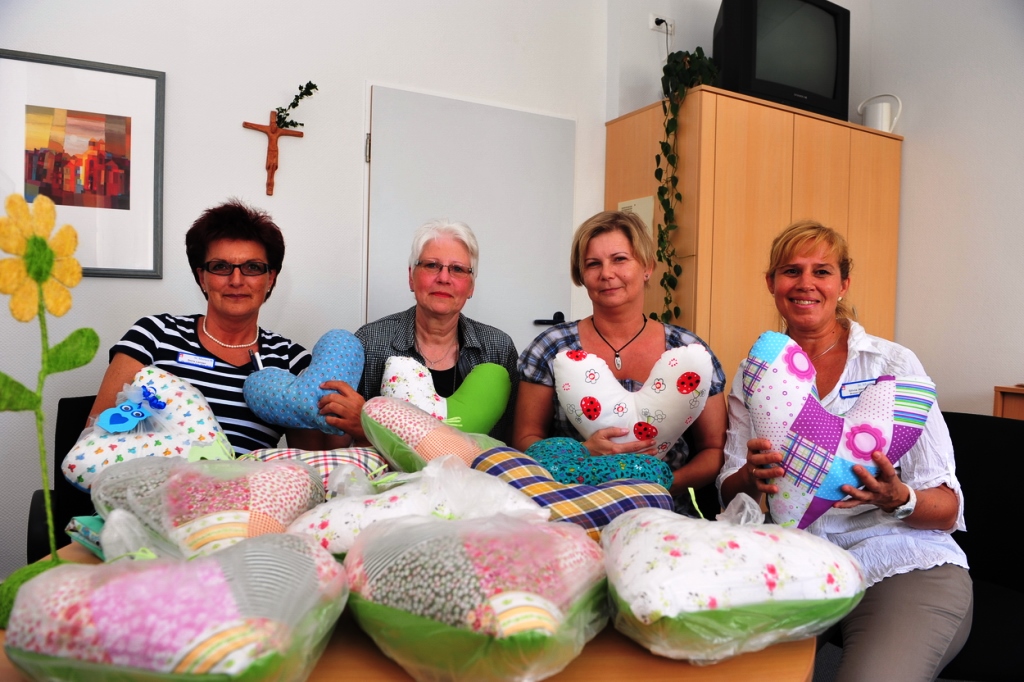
{"points": [[91, 137]]}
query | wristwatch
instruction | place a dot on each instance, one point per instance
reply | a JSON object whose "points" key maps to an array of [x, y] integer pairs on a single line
{"points": [[907, 509]]}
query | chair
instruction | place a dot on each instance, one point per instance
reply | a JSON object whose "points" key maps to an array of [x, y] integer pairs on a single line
{"points": [[68, 501], [986, 456], [985, 449]]}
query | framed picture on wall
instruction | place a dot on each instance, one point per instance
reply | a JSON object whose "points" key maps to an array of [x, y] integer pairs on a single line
{"points": [[91, 137]]}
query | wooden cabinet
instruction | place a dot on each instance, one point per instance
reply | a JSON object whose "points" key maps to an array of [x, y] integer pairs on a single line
{"points": [[748, 169], [1009, 402]]}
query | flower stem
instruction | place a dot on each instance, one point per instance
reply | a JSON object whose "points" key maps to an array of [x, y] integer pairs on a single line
{"points": [[40, 418]]}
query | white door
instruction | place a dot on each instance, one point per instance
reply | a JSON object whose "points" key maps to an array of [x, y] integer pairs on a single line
{"points": [[507, 174]]}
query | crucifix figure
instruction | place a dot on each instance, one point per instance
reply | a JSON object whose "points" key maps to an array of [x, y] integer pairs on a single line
{"points": [[273, 132]]}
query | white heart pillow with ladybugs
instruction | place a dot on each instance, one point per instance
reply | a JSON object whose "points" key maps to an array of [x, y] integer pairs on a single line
{"points": [[666, 405]]}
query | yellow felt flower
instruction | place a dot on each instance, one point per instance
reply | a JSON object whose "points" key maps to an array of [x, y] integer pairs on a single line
{"points": [[39, 259]]}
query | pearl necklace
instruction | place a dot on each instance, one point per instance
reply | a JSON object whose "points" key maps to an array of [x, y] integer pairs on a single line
{"points": [[230, 345]]}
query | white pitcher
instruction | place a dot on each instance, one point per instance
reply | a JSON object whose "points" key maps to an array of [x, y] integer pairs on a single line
{"points": [[878, 115]]}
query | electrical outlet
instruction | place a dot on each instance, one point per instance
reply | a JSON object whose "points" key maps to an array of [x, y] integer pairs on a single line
{"points": [[669, 25]]}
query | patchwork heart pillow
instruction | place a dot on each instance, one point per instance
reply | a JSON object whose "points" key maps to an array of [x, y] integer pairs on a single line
{"points": [[197, 508], [483, 600], [325, 461], [445, 488], [408, 437], [704, 591], [568, 461], [671, 399], [819, 449], [183, 427], [591, 507], [260, 610], [475, 407], [279, 397]]}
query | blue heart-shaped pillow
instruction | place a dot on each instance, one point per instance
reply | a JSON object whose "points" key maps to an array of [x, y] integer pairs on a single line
{"points": [[279, 397]]}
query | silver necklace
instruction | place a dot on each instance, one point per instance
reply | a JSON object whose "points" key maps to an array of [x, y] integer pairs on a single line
{"points": [[230, 345], [825, 351], [618, 360], [416, 344]]}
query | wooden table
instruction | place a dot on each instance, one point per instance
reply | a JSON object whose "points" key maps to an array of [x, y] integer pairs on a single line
{"points": [[1009, 402], [352, 656]]}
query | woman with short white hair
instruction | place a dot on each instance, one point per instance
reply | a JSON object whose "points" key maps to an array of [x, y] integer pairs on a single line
{"points": [[442, 275]]}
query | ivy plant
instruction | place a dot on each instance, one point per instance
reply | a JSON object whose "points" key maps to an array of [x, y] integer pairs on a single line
{"points": [[682, 71]]}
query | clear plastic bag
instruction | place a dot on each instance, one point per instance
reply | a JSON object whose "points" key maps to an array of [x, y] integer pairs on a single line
{"points": [[260, 610], [190, 509], [708, 590], [445, 488], [494, 598]]}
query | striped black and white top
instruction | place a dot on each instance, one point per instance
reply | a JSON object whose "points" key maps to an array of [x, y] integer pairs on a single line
{"points": [[171, 342]]}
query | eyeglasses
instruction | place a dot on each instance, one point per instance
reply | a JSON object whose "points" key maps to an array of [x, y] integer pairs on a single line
{"points": [[250, 268], [434, 267]]}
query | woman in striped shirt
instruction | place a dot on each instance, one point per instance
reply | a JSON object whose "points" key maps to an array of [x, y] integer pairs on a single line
{"points": [[235, 254]]}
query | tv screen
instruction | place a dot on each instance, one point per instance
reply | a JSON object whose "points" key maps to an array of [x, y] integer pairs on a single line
{"points": [[796, 45], [795, 52]]}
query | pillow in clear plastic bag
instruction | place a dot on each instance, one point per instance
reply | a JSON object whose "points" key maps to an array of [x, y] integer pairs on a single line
{"points": [[445, 488], [195, 508], [704, 591], [260, 610], [495, 598]]}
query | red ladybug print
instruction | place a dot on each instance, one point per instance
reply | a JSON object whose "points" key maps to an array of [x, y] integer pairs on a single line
{"points": [[576, 355], [590, 407], [644, 431], [687, 382]]}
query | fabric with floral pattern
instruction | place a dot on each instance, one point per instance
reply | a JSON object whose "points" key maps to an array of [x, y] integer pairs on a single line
{"points": [[272, 596], [746, 586], [203, 507], [448, 571], [445, 488]]}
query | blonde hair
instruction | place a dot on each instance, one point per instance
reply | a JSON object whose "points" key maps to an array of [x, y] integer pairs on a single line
{"points": [[606, 221], [810, 233]]}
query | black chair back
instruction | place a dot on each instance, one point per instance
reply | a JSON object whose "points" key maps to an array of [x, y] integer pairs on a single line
{"points": [[68, 501]]}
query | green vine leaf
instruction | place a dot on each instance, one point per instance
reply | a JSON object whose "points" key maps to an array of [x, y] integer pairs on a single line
{"points": [[73, 352], [14, 397], [682, 71]]}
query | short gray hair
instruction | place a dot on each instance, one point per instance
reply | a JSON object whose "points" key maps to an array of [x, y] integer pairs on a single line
{"points": [[433, 229]]}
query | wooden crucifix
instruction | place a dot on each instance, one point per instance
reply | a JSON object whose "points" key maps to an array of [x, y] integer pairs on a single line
{"points": [[272, 132]]}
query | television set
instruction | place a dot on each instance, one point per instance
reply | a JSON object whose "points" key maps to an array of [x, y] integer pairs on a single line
{"points": [[794, 52]]}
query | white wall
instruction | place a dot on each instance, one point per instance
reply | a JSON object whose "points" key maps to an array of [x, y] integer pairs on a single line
{"points": [[636, 54], [958, 68], [234, 60]]}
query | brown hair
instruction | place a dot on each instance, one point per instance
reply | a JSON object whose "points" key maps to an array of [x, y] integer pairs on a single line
{"points": [[234, 220], [810, 233], [628, 223]]}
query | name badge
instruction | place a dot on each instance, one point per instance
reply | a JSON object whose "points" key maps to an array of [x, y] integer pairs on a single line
{"points": [[196, 360], [852, 389]]}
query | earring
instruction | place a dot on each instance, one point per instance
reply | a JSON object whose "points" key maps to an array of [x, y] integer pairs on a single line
{"points": [[840, 298]]}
